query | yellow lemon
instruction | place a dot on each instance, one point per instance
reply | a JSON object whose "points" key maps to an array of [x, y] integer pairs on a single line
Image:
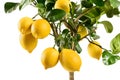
{"points": [[49, 57], [82, 31], [94, 50], [70, 60], [24, 25], [40, 28], [28, 42], [63, 5]]}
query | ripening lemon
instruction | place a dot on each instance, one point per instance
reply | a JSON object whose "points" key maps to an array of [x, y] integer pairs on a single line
{"points": [[49, 57], [40, 28], [70, 60], [28, 42], [94, 50], [24, 25], [63, 5], [82, 31]]}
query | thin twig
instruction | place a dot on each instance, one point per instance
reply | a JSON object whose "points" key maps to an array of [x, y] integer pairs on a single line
{"points": [[51, 34], [35, 16], [68, 26], [95, 44], [81, 15]]}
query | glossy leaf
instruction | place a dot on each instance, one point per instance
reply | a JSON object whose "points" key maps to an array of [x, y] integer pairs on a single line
{"points": [[115, 44], [108, 26], [24, 3], [65, 32], [49, 4], [98, 2], [49, 1], [115, 3], [116, 11], [41, 1], [77, 47], [86, 4], [10, 6], [108, 58], [41, 8], [108, 9], [93, 13], [55, 15]]}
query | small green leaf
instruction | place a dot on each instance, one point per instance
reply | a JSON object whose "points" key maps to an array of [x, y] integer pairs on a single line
{"points": [[109, 12], [10, 6], [49, 4], [115, 3], [86, 4], [41, 9], [93, 13], [115, 44], [95, 36], [41, 1], [77, 47], [108, 9], [49, 1], [108, 58], [108, 26], [65, 32], [98, 2], [72, 8], [116, 11], [55, 14], [24, 3]]}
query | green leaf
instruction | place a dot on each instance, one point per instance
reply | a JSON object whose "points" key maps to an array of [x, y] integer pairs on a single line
{"points": [[108, 9], [98, 2], [49, 4], [95, 36], [93, 13], [49, 1], [108, 58], [55, 14], [115, 3], [41, 9], [41, 1], [115, 44], [24, 3], [86, 4], [77, 47], [65, 32], [10, 6], [116, 11], [108, 26]]}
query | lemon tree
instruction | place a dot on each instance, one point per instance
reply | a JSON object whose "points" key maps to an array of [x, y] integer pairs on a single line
{"points": [[68, 22]]}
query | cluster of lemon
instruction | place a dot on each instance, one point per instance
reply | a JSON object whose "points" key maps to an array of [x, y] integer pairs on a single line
{"points": [[31, 31], [69, 59]]}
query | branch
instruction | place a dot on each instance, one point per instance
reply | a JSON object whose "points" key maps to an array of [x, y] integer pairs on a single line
{"points": [[68, 26], [55, 33], [96, 44], [35, 16], [82, 14]]}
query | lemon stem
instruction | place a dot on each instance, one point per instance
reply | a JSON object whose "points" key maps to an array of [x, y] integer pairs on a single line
{"points": [[95, 44], [35, 16]]}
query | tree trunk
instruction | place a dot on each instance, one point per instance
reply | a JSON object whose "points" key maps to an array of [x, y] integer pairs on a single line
{"points": [[71, 75]]}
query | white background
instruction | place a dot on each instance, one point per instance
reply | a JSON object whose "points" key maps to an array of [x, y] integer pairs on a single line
{"points": [[18, 64]]}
